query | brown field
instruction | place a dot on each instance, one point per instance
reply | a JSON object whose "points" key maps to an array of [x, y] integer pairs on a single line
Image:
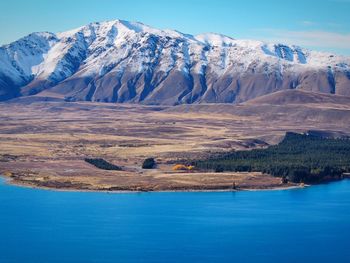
{"points": [[44, 143]]}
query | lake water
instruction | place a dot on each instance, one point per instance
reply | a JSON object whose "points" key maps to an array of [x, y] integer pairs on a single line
{"points": [[300, 225]]}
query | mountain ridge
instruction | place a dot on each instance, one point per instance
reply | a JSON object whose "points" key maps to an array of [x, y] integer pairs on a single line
{"points": [[121, 61]]}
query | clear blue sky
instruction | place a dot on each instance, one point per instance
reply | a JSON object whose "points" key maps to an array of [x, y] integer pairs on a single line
{"points": [[321, 25]]}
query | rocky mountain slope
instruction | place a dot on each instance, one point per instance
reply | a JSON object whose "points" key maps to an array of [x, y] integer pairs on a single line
{"points": [[120, 61]]}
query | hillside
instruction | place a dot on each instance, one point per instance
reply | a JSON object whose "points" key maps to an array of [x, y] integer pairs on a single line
{"points": [[300, 97], [121, 61]]}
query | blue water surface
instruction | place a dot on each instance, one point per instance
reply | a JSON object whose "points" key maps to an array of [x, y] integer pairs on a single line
{"points": [[299, 225]]}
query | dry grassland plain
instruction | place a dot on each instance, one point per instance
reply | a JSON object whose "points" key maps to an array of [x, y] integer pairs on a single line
{"points": [[43, 144]]}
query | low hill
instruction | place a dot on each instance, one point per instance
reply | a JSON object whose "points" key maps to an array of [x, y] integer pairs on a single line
{"points": [[299, 97], [304, 109]]}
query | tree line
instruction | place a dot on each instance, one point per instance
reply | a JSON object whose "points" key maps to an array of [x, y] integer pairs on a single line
{"points": [[297, 158]]}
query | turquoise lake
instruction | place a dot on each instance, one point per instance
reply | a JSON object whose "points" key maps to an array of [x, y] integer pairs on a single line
{"points": [[297, 225]]}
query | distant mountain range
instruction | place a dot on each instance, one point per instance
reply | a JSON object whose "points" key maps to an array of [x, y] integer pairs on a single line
{"points": [[120, 61]]}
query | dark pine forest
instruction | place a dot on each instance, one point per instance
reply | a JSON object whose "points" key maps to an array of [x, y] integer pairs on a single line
{"points": [[298, 158]]}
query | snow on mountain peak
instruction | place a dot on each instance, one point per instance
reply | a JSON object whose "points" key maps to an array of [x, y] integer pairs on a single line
{"points": [[112, 48], [215, 39]]}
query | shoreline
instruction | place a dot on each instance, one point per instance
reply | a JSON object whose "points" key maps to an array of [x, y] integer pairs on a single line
{"points": [[218, 186], [14, 182]]}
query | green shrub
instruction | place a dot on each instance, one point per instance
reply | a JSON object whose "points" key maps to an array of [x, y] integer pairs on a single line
{"points": [[102, 164], [149, 163]]}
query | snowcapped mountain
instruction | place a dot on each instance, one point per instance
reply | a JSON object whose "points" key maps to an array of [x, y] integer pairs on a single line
{"points": [[120, 61]]}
